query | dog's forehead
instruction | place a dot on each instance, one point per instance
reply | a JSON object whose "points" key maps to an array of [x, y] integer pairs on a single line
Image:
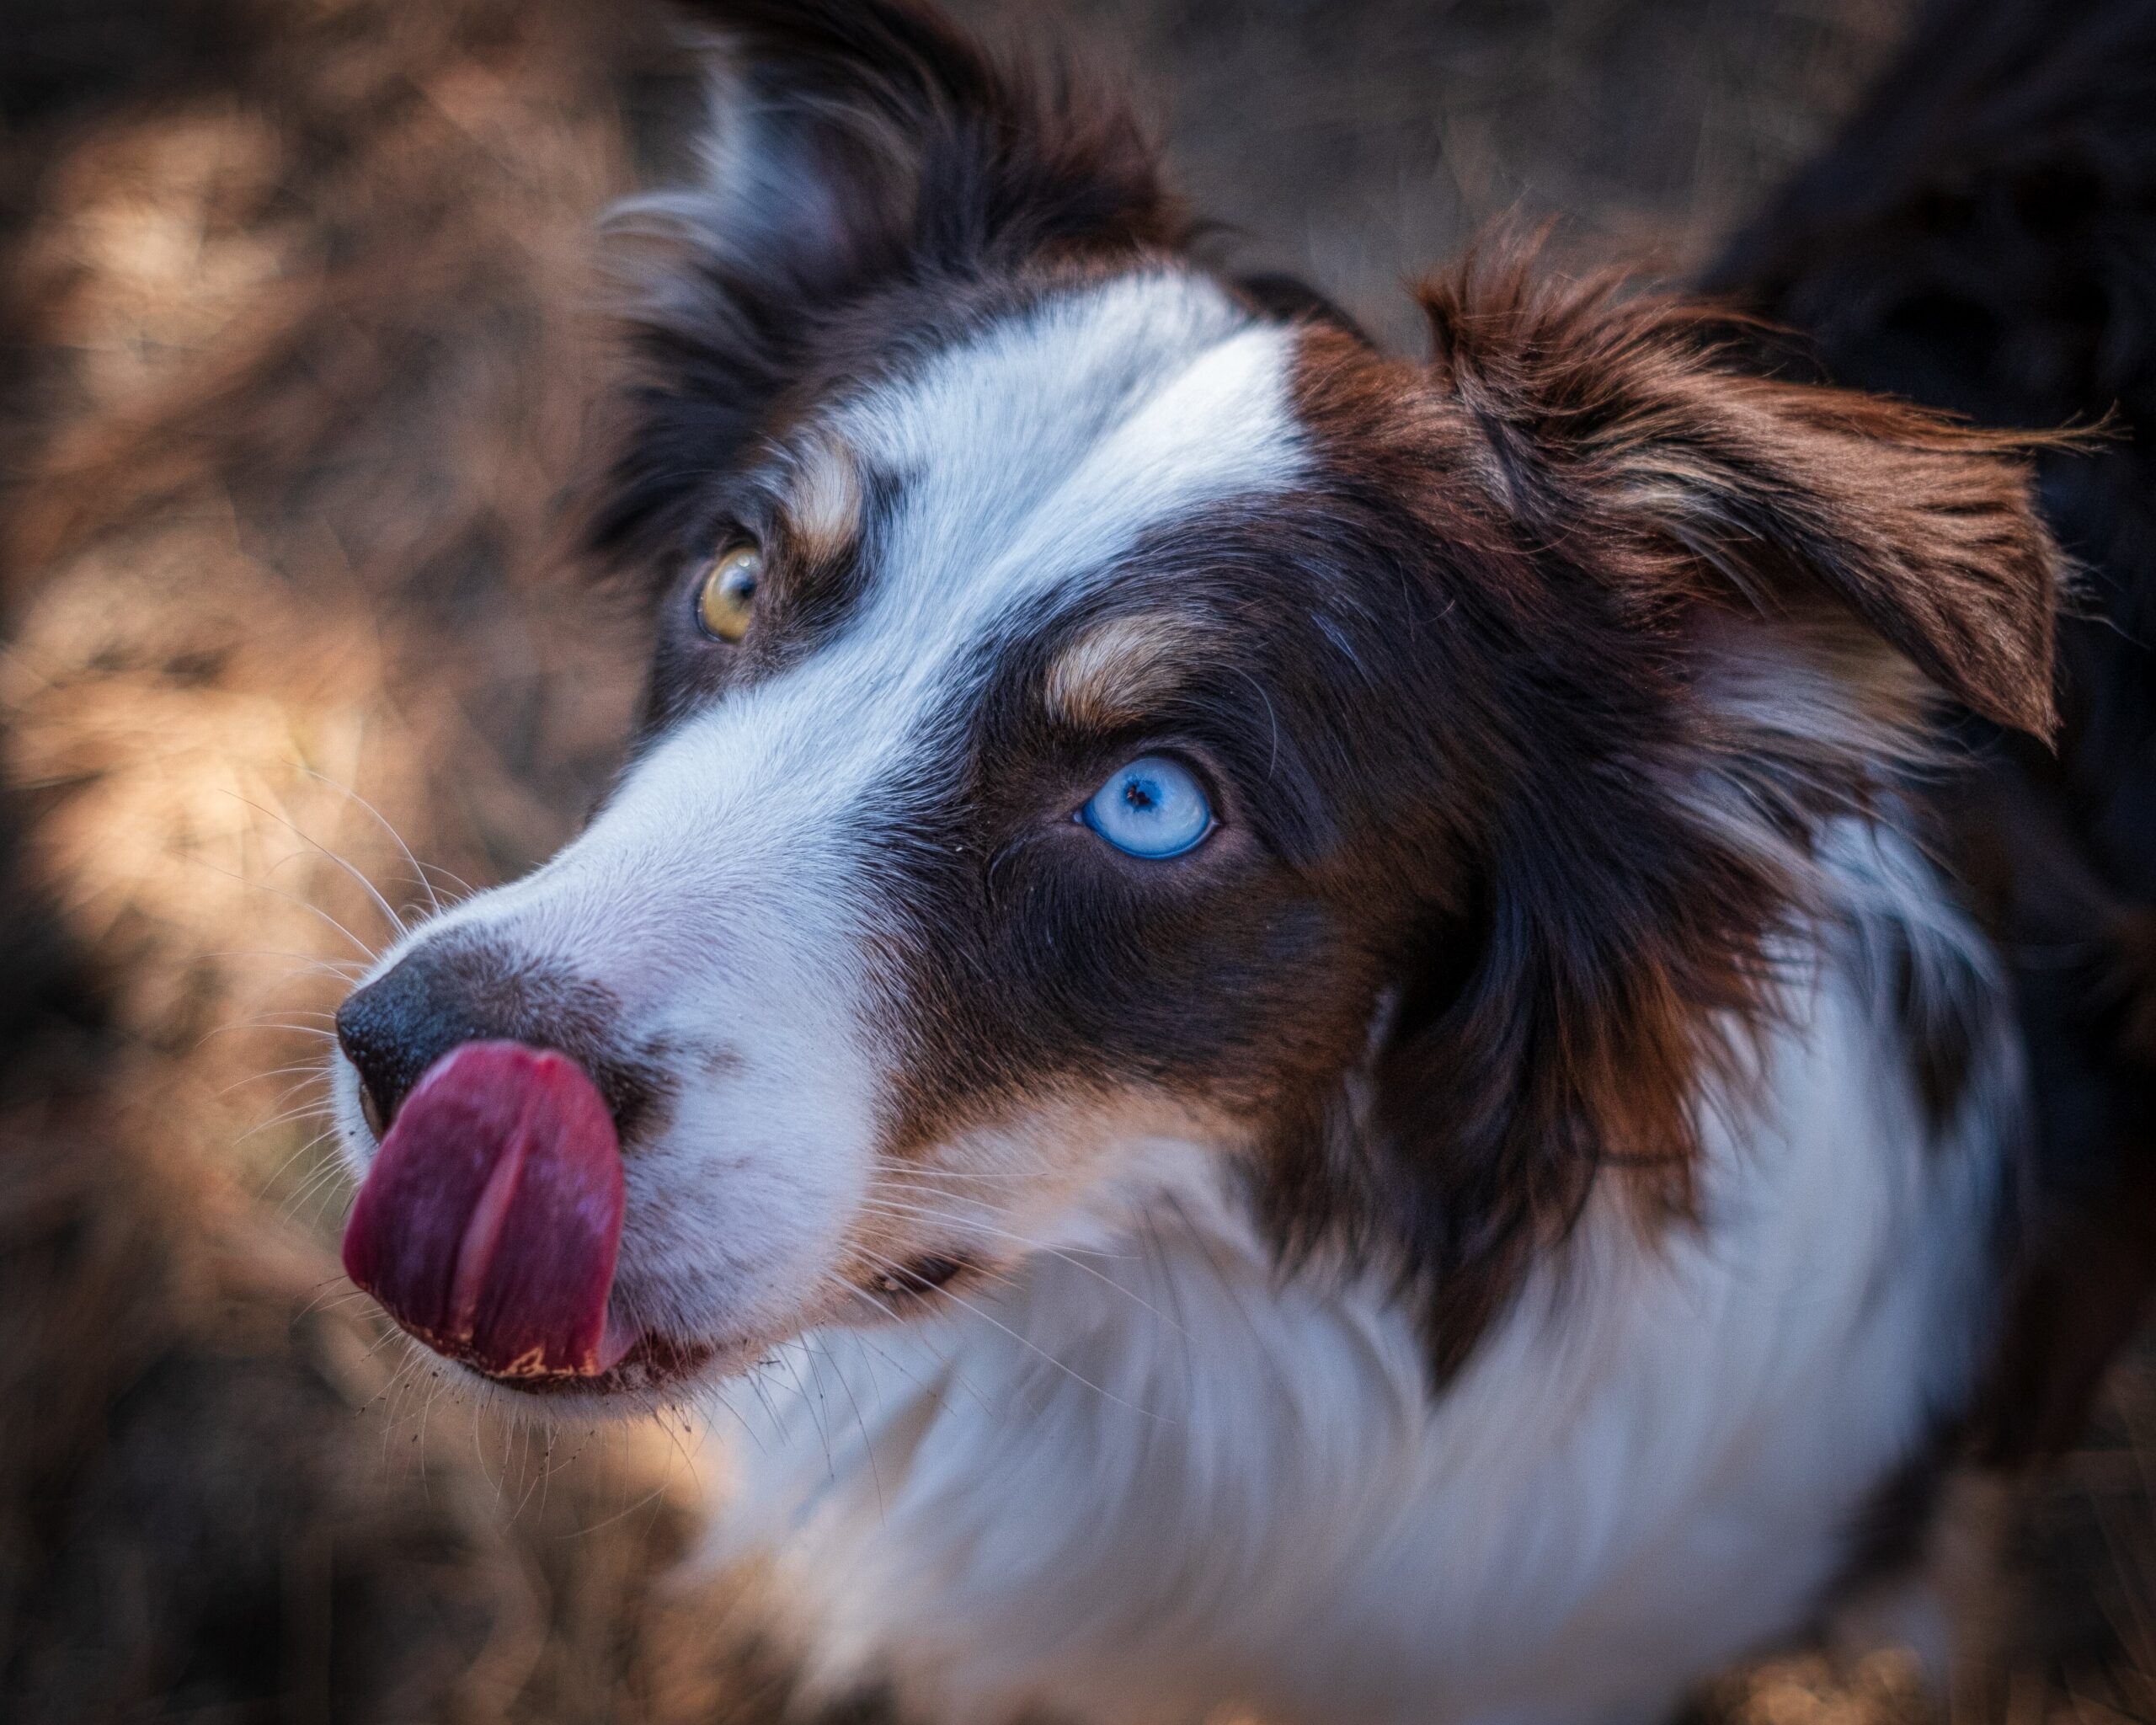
{"points": [[1016, 473], [1027, 460]]}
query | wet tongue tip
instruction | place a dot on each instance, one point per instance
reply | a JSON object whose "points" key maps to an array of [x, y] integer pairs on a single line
{"points": [[490, 1224]]}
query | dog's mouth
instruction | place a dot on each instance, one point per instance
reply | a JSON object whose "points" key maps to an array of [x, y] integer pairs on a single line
{"points": [[490, 1224], [490, 1228]]}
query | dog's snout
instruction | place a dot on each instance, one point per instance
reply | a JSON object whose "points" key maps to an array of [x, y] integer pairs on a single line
{"points": [[452, 992]]}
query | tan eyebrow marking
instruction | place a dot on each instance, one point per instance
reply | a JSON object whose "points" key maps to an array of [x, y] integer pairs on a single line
{"points": [[823, 500], [1113, 672]]}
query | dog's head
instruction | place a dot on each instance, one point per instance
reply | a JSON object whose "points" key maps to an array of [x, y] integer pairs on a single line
{"points": [[1112, 728]]}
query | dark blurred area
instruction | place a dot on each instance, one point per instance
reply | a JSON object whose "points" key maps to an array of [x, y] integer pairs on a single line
{"points": [[303, 328]]}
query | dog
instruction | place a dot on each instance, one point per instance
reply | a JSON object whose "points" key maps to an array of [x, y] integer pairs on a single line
{"points": [[1293, 1026]]}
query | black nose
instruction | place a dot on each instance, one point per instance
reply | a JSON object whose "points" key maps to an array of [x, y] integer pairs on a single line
{"points": [[456, 991], [401, 1023]]}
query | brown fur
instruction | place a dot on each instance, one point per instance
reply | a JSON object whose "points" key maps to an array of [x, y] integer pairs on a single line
{"points": [[1117, 672]]}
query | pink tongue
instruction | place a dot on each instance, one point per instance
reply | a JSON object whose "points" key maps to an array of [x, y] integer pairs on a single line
{"points": [[490, 1222]]}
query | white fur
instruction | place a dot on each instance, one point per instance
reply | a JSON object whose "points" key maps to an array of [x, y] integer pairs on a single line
{"points": [[1145, 1479]]}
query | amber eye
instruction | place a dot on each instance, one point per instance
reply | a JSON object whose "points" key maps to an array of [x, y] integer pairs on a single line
{"points": [[726, 599]]}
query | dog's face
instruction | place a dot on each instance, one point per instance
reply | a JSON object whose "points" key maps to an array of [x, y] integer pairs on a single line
{"points": [[1109, 730], [1011, 807]]}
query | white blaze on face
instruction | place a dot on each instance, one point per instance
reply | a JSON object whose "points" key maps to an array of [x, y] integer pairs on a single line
{"points": [[726, 894]]}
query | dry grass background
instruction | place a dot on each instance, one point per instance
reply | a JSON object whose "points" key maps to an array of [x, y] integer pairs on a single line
{"points": [[300, 332]]}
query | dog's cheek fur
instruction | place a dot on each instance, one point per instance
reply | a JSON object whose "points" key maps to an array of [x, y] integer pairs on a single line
{"points": [[1056, 974]]}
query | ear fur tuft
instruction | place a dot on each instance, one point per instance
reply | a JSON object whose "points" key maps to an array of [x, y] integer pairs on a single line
{"points": [[1624, 428]]}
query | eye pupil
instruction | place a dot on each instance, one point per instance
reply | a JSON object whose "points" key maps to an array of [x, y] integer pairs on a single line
{"points": [[1154, 808]]}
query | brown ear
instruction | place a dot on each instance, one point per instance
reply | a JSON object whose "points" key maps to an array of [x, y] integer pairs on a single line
{"points": [[1623, 428]]}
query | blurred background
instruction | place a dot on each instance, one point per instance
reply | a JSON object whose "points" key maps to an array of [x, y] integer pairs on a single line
{"points": [[301, 330]]}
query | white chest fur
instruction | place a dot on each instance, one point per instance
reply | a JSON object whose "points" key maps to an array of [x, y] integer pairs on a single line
{"points": [[1137, 1483]]}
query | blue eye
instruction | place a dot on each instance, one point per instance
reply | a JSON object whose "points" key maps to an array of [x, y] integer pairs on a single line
{"points": [[1154, 808]]}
